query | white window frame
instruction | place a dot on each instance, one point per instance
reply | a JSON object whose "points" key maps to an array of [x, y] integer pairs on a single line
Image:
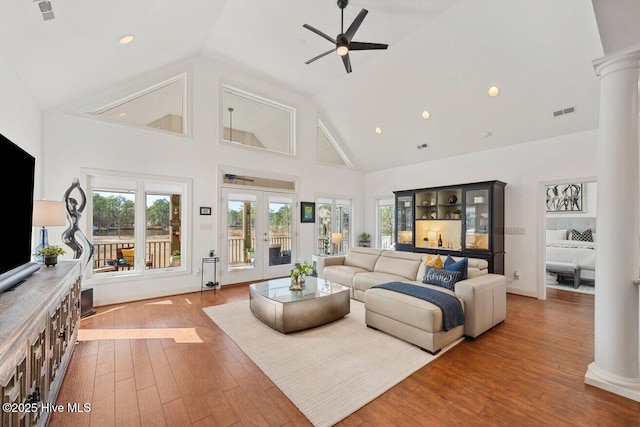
{"points": [[141, 185]]}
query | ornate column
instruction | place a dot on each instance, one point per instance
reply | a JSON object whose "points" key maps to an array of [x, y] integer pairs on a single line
{"points": [[616, 367]]}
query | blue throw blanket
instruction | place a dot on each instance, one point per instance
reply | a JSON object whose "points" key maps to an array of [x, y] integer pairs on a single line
{"points": [[452, 314]]}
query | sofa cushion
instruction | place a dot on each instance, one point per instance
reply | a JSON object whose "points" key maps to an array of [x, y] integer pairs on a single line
{"points": [[364, 281], [342, 274], [403, 264], [364, 258], [440, 277], [428, 261]]}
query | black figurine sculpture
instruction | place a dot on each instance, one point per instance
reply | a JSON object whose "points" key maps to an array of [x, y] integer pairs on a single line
{"points": [[74, 211]]}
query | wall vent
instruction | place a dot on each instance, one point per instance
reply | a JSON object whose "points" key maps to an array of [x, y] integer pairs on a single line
{"points": [[421, 146], [568, 110]]}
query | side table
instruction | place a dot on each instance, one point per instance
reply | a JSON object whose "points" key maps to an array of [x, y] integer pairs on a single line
{"points": [[210, 284]]}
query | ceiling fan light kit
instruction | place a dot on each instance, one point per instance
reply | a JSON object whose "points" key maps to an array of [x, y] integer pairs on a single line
{"points": [[343, 41]]}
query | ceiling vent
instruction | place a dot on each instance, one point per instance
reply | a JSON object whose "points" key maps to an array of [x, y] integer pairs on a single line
{"points": [[563, 112], [46, 9], [421, 146]]}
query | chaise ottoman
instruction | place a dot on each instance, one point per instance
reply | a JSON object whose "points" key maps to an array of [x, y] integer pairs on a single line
{"points": [[411, 319]]}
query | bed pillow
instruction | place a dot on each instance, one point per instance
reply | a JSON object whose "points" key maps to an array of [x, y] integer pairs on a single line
{"points": [[585, 236], [453, 265], [440, 277], [556, 234]]}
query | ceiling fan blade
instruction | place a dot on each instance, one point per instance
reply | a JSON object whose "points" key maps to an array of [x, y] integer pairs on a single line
{"points": [[355, 24], [320, 56], [366, 46], [320, 33], [347, 63]]}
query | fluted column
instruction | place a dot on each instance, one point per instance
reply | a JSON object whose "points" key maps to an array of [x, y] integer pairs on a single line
{"points": [[616, 367]]}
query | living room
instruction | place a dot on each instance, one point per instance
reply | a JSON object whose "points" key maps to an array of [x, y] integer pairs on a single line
{"points": [[67, 142]]}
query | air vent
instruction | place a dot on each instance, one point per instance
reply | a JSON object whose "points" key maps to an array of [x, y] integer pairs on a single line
{"points": [[568, 110], [46, 9], [421, 146]]}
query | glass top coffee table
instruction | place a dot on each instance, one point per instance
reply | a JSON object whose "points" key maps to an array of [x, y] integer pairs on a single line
{"points": [[288, 311]]}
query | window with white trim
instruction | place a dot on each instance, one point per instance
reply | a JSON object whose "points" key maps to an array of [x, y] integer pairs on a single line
{"points": [[136, 223], [386, 223], [333, 216]]}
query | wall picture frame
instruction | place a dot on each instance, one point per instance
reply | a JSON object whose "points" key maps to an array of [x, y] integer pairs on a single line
{"points": [[205, 210], [307, 212], [564, 197]]}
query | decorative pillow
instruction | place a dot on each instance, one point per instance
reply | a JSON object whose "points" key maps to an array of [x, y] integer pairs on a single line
{"points": [[429, 261], [585, 236], [453, 265], [439, 277], [128, 255], [434, 262], [556, 234]]}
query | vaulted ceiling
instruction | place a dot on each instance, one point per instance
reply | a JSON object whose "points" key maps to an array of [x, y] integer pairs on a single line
{"points": [[443, 55]]}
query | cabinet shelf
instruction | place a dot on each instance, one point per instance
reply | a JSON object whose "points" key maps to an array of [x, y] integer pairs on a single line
{"points": [[471, 231]]}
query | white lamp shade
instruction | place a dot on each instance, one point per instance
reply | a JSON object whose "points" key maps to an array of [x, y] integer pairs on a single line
{"points": [[48, 213], [336, 238], [431, 235]]}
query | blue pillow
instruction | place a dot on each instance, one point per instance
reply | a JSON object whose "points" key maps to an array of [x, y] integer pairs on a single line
{"points": [[441, 277], [461, 266]]}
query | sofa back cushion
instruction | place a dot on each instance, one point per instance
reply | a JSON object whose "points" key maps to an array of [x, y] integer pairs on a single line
{"points": [[403, 264], [362, 257]]}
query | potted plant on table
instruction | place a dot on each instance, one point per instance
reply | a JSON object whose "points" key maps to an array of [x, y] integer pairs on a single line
{"points": [[456, 213], [298, 274], [50, 254], [364, 239], [174, 259]]}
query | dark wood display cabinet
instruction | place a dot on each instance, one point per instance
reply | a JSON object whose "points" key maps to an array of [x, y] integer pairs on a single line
{"points": [[456, 220]]}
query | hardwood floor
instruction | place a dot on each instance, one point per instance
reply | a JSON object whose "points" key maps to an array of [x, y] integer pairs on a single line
{"points": [[149, 368]]}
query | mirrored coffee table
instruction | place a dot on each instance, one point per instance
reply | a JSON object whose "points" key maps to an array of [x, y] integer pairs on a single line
{"points": [[288, 311]]}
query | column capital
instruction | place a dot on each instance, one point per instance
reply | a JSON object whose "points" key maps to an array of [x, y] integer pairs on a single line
{"points": [[628, 58]]}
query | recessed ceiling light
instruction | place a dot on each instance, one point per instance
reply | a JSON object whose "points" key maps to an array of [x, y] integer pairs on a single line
{"points": [[122, 114], [378, 131], [493, 91], [426, 115], [126, 39]]}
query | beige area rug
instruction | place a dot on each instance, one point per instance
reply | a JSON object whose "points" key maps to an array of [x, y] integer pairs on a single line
{"points": [[328, 372]]}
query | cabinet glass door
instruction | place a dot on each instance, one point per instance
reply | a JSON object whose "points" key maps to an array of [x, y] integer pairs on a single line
{"points": [[405, 220], [477, 219]]}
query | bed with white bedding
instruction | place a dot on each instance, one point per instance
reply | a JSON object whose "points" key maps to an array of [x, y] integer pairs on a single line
{"points": [[564, 249]]}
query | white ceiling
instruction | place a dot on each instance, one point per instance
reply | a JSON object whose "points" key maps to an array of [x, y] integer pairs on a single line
{"points": [[442, 56]]}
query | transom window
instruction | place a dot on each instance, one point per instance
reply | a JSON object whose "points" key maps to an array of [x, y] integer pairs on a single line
{"points": [[162, 106], [257, 122], [329, 150]]}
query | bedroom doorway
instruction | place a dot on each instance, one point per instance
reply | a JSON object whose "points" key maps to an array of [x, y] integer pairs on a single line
{"points": [[570, 235]]}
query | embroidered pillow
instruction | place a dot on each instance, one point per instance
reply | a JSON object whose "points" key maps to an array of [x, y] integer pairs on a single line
{"points": [[582, 237], [453, 265], [429, 261], [440, 277]]}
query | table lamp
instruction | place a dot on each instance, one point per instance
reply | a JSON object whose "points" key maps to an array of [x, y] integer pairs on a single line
{"points": [[47, 213], [336, 239], [431, 235]]}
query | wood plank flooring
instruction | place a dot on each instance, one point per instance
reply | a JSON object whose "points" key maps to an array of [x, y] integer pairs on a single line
{"points": [[527, 371]]}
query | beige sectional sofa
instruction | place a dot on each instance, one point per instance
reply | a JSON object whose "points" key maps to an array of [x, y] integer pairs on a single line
{"points": [[483, 295]]}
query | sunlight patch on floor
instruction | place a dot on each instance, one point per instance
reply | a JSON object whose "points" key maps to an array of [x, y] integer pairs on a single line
{"points": [[179, 335]]}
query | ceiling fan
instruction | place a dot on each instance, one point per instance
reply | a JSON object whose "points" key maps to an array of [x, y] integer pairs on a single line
{"points": [[343, 40]]}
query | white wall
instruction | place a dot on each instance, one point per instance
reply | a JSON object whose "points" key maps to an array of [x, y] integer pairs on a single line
{"points": [[525, 168], [74, 141], [20, 119]]}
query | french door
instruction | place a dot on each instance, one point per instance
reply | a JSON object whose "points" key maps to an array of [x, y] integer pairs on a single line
{"points": [[258, 235]]}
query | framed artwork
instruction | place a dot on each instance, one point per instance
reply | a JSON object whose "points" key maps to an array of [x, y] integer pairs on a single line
{"points": [[564, 197], [205, 210], [307, 212]]}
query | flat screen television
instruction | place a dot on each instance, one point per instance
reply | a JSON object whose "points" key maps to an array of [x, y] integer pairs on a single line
{"points": [[15, 263]]}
